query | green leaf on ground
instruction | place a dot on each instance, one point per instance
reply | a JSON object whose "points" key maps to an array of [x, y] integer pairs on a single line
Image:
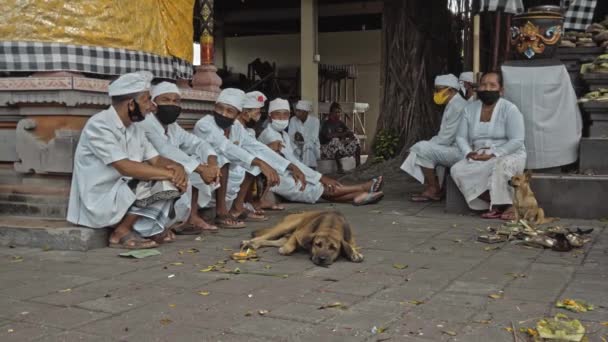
{"points": [[140, 253]]}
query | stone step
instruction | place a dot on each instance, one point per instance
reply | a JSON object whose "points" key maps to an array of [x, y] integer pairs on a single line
{"points": [[598, 114], [49, 234], [593, 152], [564, 196]]}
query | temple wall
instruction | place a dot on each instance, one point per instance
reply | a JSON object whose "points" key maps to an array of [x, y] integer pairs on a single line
{"points": [[361, 48]]}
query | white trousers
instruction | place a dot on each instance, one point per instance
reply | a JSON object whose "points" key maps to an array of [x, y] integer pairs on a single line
{"points": [[473, 178]]}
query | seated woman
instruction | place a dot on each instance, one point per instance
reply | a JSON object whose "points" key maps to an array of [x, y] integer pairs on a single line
{"points": [[491, 136], [337, 141]]}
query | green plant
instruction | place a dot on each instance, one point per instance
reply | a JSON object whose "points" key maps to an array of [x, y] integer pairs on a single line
{"points": [[385, 145]]}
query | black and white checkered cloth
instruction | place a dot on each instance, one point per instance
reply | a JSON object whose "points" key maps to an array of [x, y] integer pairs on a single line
{"points": [[38, 56], [579, 13], [507, 6]]}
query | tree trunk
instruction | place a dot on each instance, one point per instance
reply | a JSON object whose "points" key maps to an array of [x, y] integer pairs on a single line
{"points": [[420, 42]]}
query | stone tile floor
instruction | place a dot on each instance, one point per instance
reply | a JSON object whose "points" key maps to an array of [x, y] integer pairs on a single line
{"points": [[442, 294]]}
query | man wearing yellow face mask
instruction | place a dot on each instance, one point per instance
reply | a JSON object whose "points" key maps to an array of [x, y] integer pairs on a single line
{"points": [[427, 160]]}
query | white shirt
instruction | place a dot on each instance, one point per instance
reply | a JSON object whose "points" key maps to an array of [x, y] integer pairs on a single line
{"points": [[177, 144], [502, 135], [309, 129], [450, 121], [270, 134], [241, 147], [100, 196]]}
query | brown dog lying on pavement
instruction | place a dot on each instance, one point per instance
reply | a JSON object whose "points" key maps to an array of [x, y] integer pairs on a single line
{"points": [[524, 203], [325, 234]]}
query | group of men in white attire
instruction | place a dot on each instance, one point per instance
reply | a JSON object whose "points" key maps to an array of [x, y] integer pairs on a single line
{"points": [[138, 171]]}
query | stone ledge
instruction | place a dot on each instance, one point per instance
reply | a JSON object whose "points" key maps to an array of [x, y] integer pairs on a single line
{"points": [[593, 155], [564, 196], [49, 234]]}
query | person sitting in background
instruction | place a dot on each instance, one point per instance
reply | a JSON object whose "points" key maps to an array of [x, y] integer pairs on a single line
{"points": [[491, 136], [317, 186], [426, 157], [197, 156], [337, 140], [116, 171], [304, 133], [467, 81]]}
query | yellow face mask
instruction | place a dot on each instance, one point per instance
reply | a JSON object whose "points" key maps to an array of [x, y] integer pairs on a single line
{"points": [[441, 97]]}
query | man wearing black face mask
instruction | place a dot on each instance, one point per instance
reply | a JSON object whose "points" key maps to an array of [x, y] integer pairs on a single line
{"points": [[115, 163], [491, 136], [197, 156], [236, 148]]}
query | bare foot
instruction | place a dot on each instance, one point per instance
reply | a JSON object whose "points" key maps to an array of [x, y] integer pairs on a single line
{"points": [[199, 223]]}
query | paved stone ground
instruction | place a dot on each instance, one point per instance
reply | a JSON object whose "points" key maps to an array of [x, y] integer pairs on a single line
{"points": [[442, 295]]}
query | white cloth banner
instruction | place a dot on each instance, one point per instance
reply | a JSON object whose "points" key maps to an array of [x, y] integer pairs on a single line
{"points": [[547, 100]]}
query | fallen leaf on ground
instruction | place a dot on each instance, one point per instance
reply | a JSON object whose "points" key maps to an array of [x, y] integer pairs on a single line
{"points": [[492, 248], [227, 249], [495, 296], [208, 269], [204, 293], [516, 275], [457, 241], [400, 266], [267, 267], [574, 305], [509, 329], [530, 331], [171, 276], [10, 331], [176, 263], [560, 327], [248, 314], [172, 305], [448, 332], [454, 225], [140, 253], [263, 312], [483, 321], [416, 302], [604, 324], [332, 305], [376, 330], [192, 250], [165, 321], [198, 238], [65, 290], [17, 258]]}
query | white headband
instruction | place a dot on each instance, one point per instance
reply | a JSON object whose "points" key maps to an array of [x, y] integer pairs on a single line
{"points": [[278, 104], [164, 88], [233, 97], [131, 83]]}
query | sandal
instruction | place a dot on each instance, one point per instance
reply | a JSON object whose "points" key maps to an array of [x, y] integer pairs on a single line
{"points": [[370, 198], [195, 230], [249, 216], [132, 240], [228, 222], [424, 198], [491, 215], [166, 236], [250, 207], [377, 184]]}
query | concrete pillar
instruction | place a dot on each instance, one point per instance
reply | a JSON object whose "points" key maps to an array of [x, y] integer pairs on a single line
{"points": [[206, 77], [309, 69]]}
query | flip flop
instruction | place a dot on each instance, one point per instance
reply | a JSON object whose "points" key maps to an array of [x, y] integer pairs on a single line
{"points": [[491, 215], [132, 236], [251, 208], [370, 199], [247, 217], [423, 199], [510, 216], [377, 184], [222, 222], [164, 237], [194, 230]]}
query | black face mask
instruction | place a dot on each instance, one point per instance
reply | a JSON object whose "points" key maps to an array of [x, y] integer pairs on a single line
{"points": [[488, 97], [250, 124], [135, 115], [222, 121], [167, 114]]}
